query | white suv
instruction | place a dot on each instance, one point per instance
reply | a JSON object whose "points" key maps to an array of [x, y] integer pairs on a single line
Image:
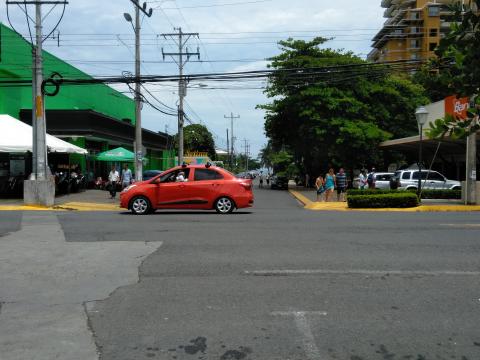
{"points": [[408, 179]]}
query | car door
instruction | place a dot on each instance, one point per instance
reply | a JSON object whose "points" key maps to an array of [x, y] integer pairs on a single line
{"points": [[437, 180], [205, 187], [172, 194]]}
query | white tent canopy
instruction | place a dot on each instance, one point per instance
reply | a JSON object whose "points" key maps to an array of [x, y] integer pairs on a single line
{"points": [[16, 137]]}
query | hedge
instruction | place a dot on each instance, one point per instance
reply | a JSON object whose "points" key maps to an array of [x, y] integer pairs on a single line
{"points": [[403, 199], [426, 193]]}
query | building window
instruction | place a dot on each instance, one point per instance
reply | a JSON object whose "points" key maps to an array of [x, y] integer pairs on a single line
{"points": [[432, 46], [433, 11], [434, 32]]}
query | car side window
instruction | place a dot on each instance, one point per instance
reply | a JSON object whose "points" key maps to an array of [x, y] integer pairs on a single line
{"points": [[436, 176], [406, 175], [206, 174], [384, 177], [172, 175]]}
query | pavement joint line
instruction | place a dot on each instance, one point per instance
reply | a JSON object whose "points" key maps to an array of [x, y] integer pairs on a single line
{"points": [[287, 272], [308, 340], [342, 206]]}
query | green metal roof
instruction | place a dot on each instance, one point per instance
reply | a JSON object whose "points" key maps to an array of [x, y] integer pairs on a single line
{"points": [[16, 63]]}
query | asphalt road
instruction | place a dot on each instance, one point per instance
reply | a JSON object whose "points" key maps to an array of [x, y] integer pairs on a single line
{"points": [[280, 282]]}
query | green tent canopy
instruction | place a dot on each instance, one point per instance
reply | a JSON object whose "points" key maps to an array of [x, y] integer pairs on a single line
{"points": [[119, 154]]}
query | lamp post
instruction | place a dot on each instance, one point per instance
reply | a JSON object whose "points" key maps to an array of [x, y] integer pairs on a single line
{"points": [[421, 114], [138, 96]]}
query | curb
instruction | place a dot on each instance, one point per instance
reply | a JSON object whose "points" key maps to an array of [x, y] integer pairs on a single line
{"points": [[336, 206], [71, 206]]}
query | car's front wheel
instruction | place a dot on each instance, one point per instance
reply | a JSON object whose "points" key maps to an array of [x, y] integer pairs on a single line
{"points": [[140, 205], [224, 205]]}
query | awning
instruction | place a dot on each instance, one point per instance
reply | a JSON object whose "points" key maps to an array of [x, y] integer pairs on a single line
{"points": [[118, 154], [17, 137]]}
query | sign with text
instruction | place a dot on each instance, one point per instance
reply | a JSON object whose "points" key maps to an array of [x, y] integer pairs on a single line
{"points": [[456, 107]]}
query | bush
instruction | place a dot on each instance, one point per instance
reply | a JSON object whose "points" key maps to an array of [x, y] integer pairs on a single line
{"points": [[402, 199], [426, 193], [441, 194]]}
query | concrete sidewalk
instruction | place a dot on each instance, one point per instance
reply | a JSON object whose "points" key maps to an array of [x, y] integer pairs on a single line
{"points": [[308, 198], [90, 200]]}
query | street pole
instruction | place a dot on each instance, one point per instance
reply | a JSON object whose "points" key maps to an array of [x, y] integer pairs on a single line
{"points": [[40, 128], [181, 94], [182, 88], [420, 155], [138, 102], [232, 150], [228, 149], [471, 175]]}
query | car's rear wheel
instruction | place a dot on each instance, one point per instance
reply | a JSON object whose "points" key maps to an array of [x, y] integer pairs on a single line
{"points": [[140, 205], [224, 205]]}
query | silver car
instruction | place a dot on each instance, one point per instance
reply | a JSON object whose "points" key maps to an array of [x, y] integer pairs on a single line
{"points": [[382, 180], [408, 179]]}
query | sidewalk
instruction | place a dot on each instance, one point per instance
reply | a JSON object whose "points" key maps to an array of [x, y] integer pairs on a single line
{"points": [[90, 200], [308, 198]]}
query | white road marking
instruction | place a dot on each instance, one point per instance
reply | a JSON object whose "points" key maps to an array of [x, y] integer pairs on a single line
{"points": [[473, 226], [309, 346], [286, 272]]}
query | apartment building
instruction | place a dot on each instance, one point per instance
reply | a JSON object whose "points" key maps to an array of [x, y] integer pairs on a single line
{"points": [[412, 31]]}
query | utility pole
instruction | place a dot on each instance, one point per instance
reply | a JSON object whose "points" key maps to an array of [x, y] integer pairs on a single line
{"points": [[40, 188], [228, 149], [138, 95], [182, 86], [247, 153], [232, 143]]}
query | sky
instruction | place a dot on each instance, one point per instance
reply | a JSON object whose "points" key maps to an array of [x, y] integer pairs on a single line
{"points": [[234, 35]]}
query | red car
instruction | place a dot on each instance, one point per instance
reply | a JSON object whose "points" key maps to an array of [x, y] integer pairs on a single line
{"points": [[202, 187]]}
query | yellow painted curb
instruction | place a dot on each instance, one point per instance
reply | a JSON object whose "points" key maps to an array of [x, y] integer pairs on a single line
{"points": [[71, 206], [342, 206]]}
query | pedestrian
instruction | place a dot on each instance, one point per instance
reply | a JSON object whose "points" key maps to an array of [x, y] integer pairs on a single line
{"points": [[320, 185], [371, 179], [329, 184], [126, 176], [261, 180], [181, 177], [362, 179], [113, 178], [341, 183], [268, 180]]}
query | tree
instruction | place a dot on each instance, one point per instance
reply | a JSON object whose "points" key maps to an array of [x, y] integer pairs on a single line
{"points": [[339, 120], [197, 138], [459, 53]]}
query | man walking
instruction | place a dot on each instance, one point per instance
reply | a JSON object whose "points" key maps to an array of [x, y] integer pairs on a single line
{"points": [[341, 182], [126, 177], [113, 178]]}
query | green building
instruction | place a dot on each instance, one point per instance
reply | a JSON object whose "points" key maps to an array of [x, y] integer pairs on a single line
{"points": [[95, 117]]}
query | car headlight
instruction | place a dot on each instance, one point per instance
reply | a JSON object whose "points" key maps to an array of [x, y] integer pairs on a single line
{"points": [[129, 187]]}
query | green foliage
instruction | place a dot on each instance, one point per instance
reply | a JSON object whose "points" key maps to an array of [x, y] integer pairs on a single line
{"points": [[283, 165], [197, 138], [426, 193], [341, 122], [459, 54], [393, 200]]}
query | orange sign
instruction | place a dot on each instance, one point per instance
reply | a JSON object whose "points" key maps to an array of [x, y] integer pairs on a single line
{"points": [[456, 107]]}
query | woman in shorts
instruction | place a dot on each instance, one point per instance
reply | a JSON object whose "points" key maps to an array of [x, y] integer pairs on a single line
{"points": [[320, 185]]}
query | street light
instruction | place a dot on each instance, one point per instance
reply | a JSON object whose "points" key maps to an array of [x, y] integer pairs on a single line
{"points": [[421, 114]]}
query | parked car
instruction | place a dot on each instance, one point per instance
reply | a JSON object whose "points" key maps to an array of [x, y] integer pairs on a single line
{"points": [[205, 187], [150, 174], [278, 182], [382, 180], [408, 179], [245, 175]]}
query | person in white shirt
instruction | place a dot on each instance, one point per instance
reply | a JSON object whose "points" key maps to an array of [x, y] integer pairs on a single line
{"points": [[113, 178], [181, 177], [126, 177]]}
